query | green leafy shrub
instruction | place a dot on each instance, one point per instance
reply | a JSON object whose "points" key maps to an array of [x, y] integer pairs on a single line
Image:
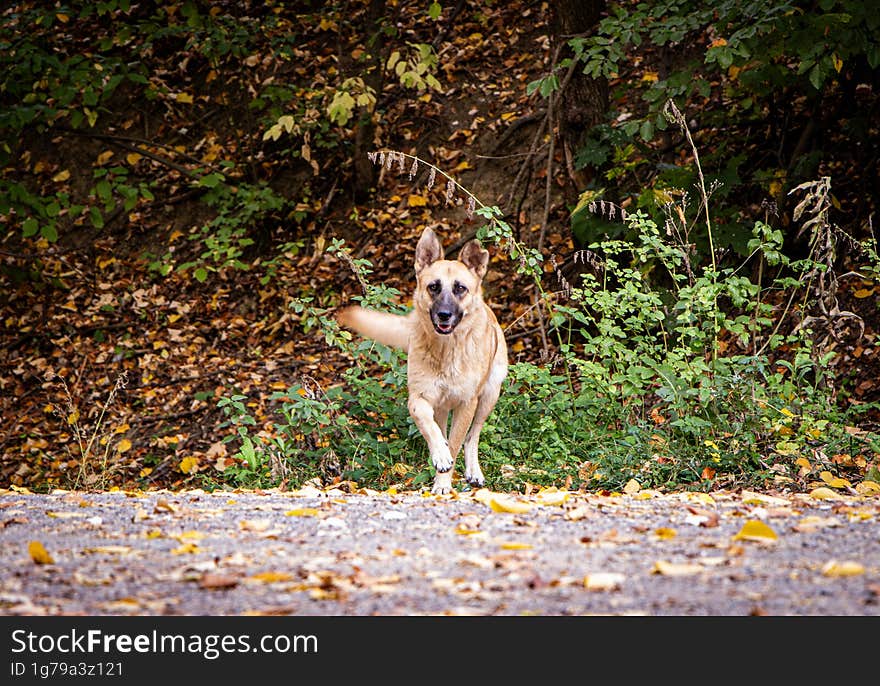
{"points": [[668, 370]]}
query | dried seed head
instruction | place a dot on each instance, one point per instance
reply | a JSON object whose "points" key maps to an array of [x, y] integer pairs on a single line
{"points": [[413, 169], [431, 177], [471, 206], [450, 190], [372, 155]]}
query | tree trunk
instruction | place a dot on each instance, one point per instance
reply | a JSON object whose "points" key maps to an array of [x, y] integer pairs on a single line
{"points": [[583, 102]]}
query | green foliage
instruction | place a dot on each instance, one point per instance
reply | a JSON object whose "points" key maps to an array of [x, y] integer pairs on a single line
{"points": [[742, 54], [667, 372]]}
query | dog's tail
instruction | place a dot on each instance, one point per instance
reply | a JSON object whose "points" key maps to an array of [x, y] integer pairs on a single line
{"points": [[389, 329]]}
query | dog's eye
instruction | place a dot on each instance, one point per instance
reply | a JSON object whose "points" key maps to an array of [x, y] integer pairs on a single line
{"points": [[434, 287], [459, 288]]}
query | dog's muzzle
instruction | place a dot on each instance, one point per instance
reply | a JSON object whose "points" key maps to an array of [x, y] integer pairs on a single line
{"points": [[445, 315]]}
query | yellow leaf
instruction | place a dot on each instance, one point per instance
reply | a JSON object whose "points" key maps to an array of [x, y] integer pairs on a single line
{"points": [[500, 503], [603, 581], [700, 498], [188, 465], [650, 76], [302, 512], [186, 548], [863, 292], [483, 495], [751, 498], [675, 569], [184, 97], [846, 568], [834, 481], [123, 445], [39, 554], [838, 63], [632, 487], [665, 533], [516, 546], [104, 158], [146, 471], [755, 530], [73, 417], [416, 200], [805, 466], [133, 158], [552, 498], [868, 487], [823, 493], [61, 176], [272, 577]]}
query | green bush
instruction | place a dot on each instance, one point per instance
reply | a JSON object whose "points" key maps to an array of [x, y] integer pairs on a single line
{"points": [[668, 371]]}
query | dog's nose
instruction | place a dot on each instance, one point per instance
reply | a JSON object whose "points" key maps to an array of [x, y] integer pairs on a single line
{"points": [[444, 316]]}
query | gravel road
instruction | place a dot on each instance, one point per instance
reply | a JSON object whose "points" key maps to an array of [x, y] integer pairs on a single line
{"points": [[326, 552]]}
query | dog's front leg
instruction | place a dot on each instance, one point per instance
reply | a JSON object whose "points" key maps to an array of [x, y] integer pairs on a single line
{"points": [[423, 415]]}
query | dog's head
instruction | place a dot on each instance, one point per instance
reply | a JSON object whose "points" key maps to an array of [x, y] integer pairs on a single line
{"points": [[447, 290]]}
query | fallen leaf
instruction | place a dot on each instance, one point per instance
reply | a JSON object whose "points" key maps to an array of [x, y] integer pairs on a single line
{"points": [[603, 581], [188, 465], [664, 533], [254, 524], [702, 517], [39, 554], [163, 505], [302, 512], [632, 487], [578, 513], [812, 523], [516, 546], [755, 530], [834, 481], [868, 487], [67, 515], [552, 497], [846, 568], [272, 577], [186, 548], [675, 569], [824, 493], [500, 503], [751, 498], [213, 580], [108, 550]]}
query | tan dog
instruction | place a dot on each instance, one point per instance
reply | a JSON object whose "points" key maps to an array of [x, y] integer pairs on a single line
{"points": [[456, 353]]}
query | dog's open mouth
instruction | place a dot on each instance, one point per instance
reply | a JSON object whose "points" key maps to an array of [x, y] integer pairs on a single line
{"points": [[444, 328]]}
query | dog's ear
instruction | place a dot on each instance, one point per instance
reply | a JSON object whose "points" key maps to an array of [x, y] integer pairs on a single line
{"points": [[428, 250], [475, 257]]}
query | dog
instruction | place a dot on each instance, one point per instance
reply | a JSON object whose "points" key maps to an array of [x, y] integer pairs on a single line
{"points": [[456, 353]]}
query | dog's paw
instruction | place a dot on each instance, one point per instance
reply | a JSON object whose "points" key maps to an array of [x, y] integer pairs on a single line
{"points": [[442, 483], [442, 461], [475, 477]]}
